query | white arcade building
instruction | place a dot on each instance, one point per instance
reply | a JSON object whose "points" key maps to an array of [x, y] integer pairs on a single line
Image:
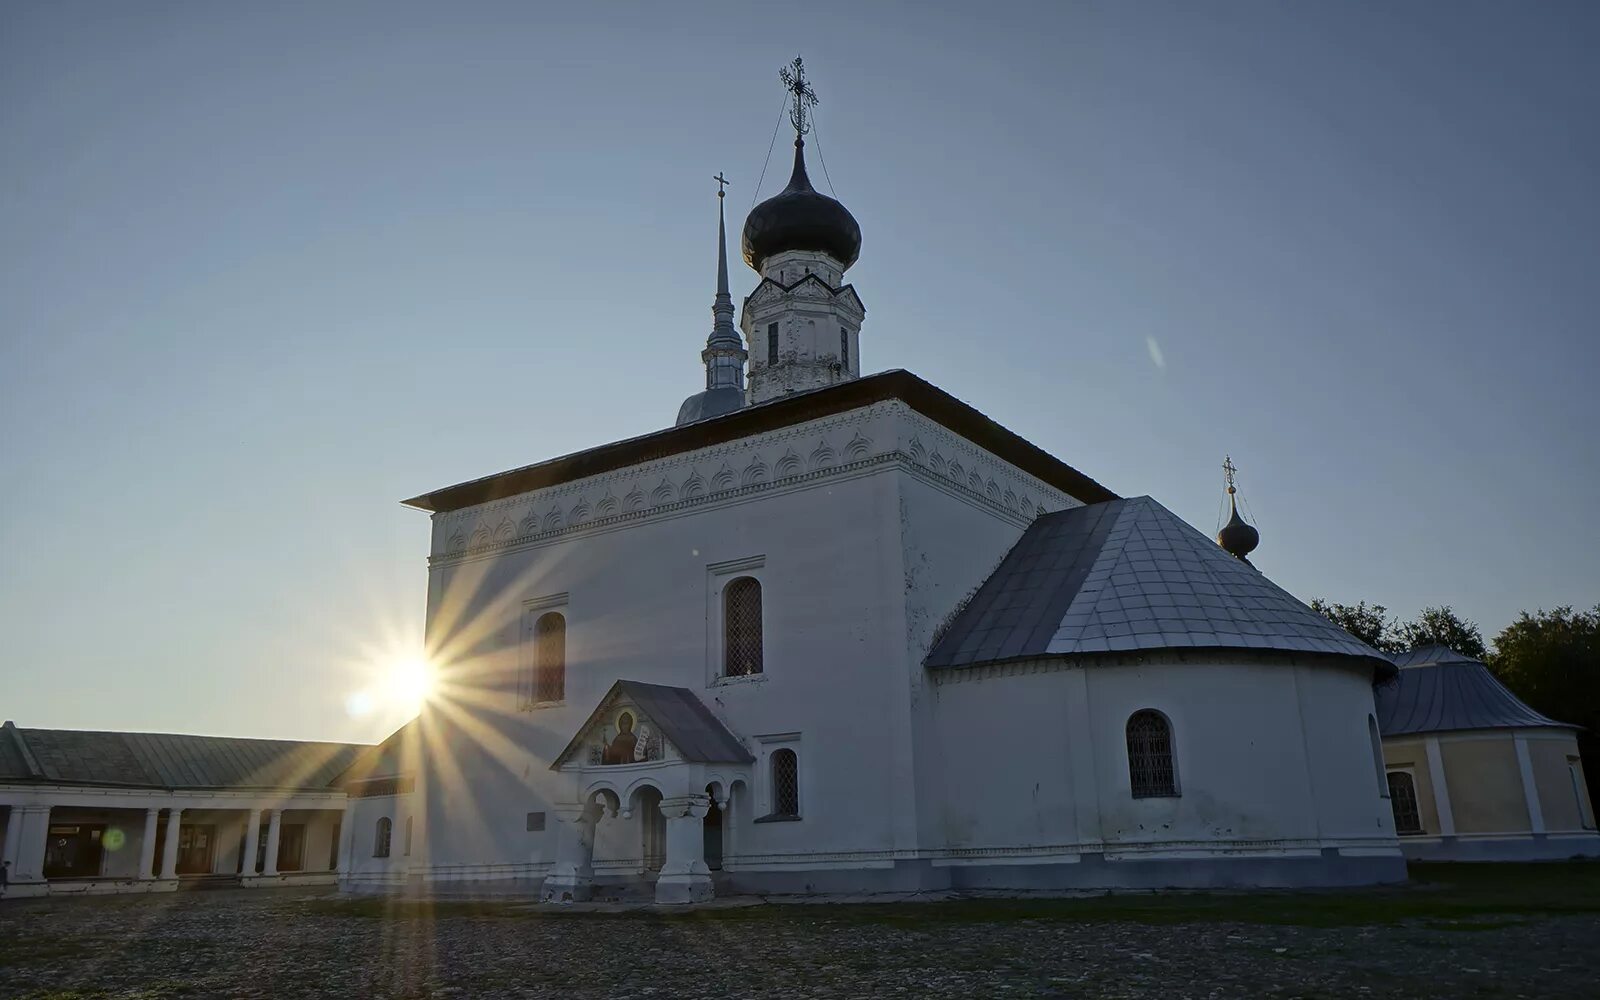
{"points": [[844, 633]]}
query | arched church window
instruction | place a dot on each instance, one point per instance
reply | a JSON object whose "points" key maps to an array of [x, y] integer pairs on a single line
{"points": [[844, 347], [550, 658], [785, 783], [741, 627], [772, 343], [1403, 799], [1150, 770], [380, 839]]}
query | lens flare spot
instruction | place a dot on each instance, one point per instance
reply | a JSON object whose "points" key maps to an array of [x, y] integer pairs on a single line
{"points": [[358, 704]]}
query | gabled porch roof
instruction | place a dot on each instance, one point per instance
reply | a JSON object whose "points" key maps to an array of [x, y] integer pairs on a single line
{"points": [[682, 718]]}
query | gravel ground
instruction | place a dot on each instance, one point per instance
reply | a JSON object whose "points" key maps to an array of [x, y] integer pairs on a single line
{"points": [[288, 943]]}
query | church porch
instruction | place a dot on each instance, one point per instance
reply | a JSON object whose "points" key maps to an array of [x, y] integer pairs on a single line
{"points": [[642, 776]]}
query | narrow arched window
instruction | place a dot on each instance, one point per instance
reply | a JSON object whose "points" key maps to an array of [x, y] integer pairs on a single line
{"points": [[741, 627], [549, 658], [407, 842], [380, 840], [785, 783], [1403, 799], [1150, 771]]}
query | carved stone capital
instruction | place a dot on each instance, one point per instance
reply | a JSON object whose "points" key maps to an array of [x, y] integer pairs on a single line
{"points": [[678, 806]]}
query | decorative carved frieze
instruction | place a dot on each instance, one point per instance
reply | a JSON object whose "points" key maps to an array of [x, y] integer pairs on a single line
{"points": [[884, 433]]}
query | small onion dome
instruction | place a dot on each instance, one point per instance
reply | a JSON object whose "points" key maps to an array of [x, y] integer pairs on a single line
{"points": [[801, 218], [1237, 538]]}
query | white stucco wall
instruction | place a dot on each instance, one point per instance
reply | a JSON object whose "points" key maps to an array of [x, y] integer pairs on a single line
{"points": [[1270, 758], [865, 529]]}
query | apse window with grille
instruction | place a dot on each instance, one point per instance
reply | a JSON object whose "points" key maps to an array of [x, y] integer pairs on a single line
{"points": [[1403, 799], [549, 673], [1150, 770], [785, 783], [844, 347], [381, 838], [772, 342], [741, 628]]}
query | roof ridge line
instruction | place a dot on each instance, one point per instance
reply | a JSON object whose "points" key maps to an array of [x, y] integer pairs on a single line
{"points": [[28, 759]]}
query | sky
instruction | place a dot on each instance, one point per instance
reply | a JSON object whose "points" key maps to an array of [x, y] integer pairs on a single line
{"points": [[268, 269]]}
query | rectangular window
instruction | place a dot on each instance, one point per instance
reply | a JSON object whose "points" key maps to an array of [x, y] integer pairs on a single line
{"points": [[333, 846], [844, 347], [536, 822], [772, 342]]}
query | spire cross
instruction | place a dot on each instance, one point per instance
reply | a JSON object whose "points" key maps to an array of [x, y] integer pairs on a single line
{"points": [[1228, 469], [804, 97], [721, 181]]}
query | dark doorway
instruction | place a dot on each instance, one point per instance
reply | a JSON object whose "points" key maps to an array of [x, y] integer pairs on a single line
{"points": [[74, 850], [197, 845], [652, 829], [291, 847], [713, 834], [333, 846]]}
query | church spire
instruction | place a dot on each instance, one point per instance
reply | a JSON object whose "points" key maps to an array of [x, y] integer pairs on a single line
{"points": [[724, 355]]}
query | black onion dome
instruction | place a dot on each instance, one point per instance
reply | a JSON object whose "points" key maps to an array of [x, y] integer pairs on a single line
{"points": [[1237, 538], [801, 218]]}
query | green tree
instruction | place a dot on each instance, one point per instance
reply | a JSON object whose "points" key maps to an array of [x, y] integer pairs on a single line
{"points": [[1367, 622], [1551, 660], [1443, 626]]}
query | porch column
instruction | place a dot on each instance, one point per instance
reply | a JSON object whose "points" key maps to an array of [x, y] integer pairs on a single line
{"points": [[13, 836], [274, 831], [685, 878], [1530, 789], [347, 827], [147, 844], [1441, 792], [169, 848], [252, 837], [571, 879], [32, 827]]}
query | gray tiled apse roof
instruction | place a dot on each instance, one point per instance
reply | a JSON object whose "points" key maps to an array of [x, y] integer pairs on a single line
{"points": [[1440, 690], [1128, 575], [164, 760]]}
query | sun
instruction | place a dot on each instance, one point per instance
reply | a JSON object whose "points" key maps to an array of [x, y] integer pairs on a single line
{"points": [[409, 681]]}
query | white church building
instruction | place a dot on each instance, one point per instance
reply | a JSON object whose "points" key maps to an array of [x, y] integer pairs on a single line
{"points": [[843, 633], [835, 633]]}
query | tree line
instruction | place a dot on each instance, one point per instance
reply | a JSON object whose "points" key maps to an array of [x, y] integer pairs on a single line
{"points": [[1549, 659]]}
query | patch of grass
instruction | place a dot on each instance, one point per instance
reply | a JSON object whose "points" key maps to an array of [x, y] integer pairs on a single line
{"points": [[1454, 896]]}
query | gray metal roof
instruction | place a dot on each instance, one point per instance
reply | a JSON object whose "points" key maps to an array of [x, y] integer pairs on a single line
{"points": [[1440, 690], [164, 760], [397, 755], [1127, 575], [682, 717]]}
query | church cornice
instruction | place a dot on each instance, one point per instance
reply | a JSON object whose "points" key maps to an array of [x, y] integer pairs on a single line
{"points": [[884, 436], [765, 283], [917, 394]]}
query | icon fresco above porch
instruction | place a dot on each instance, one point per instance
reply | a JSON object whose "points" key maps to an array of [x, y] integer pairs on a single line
{"points": [[637, 722]]}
